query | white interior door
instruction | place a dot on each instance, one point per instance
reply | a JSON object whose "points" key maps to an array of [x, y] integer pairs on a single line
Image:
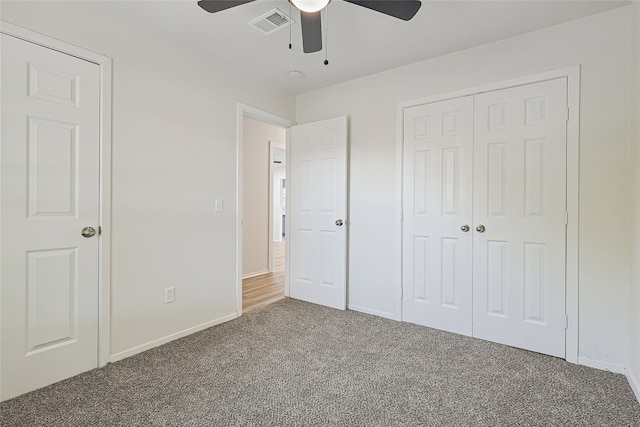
{"points": [[49, 192], [520, 200], [317, 198], [437, 185]]}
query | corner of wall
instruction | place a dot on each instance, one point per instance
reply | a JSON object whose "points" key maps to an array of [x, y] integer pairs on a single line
{"points": [[633, 369]]}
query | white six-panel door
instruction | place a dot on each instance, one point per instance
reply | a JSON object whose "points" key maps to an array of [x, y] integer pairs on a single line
{"points": [[49, 192], [501, 170], [438, 162], [317, 198], [520, 199]]}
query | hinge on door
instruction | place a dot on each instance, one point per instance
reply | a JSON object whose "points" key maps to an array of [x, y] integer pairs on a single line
{"points": [[567, 113], [566, 218], [566, 322], [99, 230]]}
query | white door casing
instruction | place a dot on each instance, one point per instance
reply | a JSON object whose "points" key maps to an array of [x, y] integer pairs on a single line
{"points": [[520, 198], [50, 187], [519, 203], [317, 208], [437, 258]]}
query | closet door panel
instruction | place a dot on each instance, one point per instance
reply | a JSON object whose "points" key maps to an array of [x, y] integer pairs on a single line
{"points": [[520, 209], [437, 185]]}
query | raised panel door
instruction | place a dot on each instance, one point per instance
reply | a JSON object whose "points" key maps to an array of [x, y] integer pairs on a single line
{"points": [[49, 192], [437, 183], [520, 199], [318, 208]]}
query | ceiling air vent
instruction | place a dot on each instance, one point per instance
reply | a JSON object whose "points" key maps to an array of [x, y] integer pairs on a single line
{"points": [[271, 22]]}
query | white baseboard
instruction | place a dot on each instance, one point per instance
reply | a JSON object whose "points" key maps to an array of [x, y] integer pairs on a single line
{"points": [[384, 314], [603, 366], [156, 343], [257, 273], [633, 382]]}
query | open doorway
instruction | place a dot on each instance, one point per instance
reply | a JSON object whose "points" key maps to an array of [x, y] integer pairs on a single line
{"points": [[263, 159]]}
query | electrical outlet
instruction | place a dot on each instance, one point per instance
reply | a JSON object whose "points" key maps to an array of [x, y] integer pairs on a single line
{"points": [[169, 294]]}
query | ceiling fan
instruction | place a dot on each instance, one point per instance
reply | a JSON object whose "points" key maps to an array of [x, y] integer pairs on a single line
{"points": [[310, 14]]}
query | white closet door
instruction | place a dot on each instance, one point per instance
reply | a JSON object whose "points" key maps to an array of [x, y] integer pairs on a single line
{"points": [[520, 200], [437, 185], [50, 187]]}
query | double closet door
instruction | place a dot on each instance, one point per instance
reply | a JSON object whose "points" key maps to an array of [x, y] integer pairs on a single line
{"points": [[484, 223]]}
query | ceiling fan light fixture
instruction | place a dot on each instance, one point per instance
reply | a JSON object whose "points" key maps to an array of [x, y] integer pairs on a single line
{"points": [[310, 6]]}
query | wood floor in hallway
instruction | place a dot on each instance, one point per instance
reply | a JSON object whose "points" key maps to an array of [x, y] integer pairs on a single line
{"points": [[265, 289]]}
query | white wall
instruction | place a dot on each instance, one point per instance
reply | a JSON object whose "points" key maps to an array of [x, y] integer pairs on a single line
{"points": [[598, 43], [633, 366], [255, 187], [174, 153]]}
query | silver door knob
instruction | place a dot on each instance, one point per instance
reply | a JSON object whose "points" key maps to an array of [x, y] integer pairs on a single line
{"points": [[480, 228], [464, 228], [339, 222], [88, 232]]}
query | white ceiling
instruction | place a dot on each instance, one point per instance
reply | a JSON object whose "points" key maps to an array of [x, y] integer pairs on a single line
{"points": [[360, 41]]}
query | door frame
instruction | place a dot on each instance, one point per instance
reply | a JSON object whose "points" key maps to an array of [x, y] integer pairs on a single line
{"points": [[104, 215], [573, 187], [244, 110]]}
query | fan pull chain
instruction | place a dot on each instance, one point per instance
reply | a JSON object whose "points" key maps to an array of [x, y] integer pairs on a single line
{"points": [[290, 25], [326, 38]]}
